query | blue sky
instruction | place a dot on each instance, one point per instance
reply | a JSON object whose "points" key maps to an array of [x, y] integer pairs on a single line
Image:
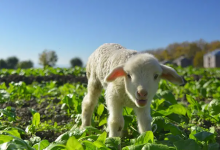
{"points": [[75, 28]]}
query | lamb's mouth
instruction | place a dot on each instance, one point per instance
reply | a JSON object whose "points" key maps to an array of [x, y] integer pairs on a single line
{"points": [[141, 102]]}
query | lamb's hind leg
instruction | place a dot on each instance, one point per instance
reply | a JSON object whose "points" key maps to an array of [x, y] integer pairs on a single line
{"points": [[90, 101]]}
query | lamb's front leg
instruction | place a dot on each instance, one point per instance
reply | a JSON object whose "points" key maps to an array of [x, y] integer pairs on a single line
{"points": [[114, 103], [115, 120], [144, 119]]}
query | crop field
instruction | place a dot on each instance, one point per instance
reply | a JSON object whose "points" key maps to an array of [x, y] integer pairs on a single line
{"points": [[41, 109]]}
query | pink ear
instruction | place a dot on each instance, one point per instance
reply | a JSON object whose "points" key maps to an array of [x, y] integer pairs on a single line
{"points": [[115, 73]]}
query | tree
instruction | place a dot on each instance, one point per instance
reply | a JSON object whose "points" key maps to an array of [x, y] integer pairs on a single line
{"points": [[166, 55], [12, 62], [192, 50], [214, 45], [198, 59], [48, 58], [25, 64], [76, 62], [3, 64]]}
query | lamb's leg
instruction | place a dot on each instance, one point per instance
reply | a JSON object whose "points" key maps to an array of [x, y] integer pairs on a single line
{"points": [[144, 119], [90, 101], [115, 119]]}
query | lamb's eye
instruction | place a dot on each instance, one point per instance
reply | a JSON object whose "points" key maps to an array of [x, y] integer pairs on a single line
{"points": [[156, 76], [129, 76]]}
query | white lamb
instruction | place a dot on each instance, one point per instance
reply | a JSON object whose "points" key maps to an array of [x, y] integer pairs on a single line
{"points": [[130, 79]]}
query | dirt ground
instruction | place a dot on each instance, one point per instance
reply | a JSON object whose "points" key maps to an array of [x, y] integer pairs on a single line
{"points": [[49, 110], [61, 79]]}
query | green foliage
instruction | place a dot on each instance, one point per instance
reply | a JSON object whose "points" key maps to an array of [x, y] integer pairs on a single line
{"points": [[48, 58], [3, 64], [77, 71], [25, 64], [12, 62], [183, 117], [76, 62], [186, 145]]}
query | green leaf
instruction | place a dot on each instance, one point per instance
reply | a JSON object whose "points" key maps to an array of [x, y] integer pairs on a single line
{"points": [[89, 145], [73, 144], [160, 122], [174, 138], [168, 96], [102, 137], [203, 92], [173, 129], [100, 109], [62, 139], [20, 143], [5, 138], [133, 147], [76, 132], [91, 137], [113, 142], [35, 139], [213, 146], [147, 137], [41, 145], [55, 146], [151, 146], [13, 132], [128, 120], [164, 112], [204, 136], [36, 119], [89, 129], [191, 100], [177, 109], [9, 146], [103, 121], [127, 111], [100, 142], [188, 144], [214, 107]]}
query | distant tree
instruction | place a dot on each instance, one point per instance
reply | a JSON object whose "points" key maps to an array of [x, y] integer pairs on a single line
{"points": [[76, 62], [179, 51], [214, 45], [12, 62], [198, 59], [192, 49], [48, 58], [25, 64], [3, 64], [166, 55]]}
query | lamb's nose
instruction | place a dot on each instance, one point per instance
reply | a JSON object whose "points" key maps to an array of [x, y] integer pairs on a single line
{"points": [[142, 93]]}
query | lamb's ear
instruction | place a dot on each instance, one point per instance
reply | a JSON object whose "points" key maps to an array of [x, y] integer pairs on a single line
{"points": [[115, 73], [171, 75]]}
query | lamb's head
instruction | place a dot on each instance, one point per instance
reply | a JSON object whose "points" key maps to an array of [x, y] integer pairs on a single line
{"points": [[142, 73]]}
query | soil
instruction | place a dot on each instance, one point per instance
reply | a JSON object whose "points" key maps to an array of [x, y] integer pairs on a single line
{"points": [[49, 110], [61, 79]]}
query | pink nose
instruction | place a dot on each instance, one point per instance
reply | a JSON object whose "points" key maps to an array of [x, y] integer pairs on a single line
{"points": [[142, 93]]}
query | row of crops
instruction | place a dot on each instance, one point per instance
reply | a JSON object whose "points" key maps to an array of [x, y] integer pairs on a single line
{"points": [[77, 71], [46, 114]]}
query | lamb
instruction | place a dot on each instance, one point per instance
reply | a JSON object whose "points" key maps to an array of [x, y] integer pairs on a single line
{"points": [[130, 79]]}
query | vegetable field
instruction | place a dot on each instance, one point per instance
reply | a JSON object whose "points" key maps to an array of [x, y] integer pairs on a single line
{"points": [[40, 109]]}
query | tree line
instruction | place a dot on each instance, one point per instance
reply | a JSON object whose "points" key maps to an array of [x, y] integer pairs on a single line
{"points": [[46, 58], [192, 50]]}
